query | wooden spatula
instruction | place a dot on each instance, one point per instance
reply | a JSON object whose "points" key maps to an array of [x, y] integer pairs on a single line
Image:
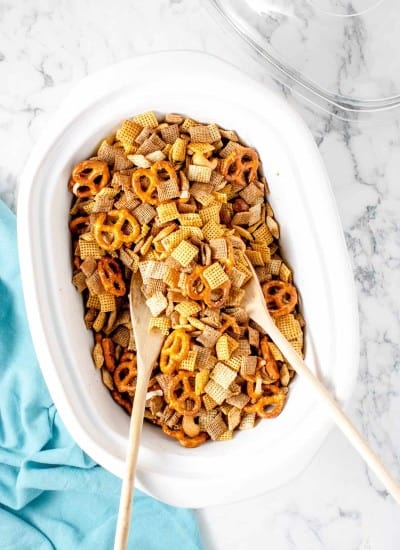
{"points": [[255, 305], [148, 345]]}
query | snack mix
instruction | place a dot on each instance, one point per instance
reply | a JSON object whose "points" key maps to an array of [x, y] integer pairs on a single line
{"points": [[184, 203]]}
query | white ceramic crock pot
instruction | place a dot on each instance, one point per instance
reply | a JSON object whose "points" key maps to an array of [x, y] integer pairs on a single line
{"points": [[207, 89]]}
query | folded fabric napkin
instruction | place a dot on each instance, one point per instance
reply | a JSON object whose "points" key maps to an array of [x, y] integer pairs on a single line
{"points": [[52, 495]]}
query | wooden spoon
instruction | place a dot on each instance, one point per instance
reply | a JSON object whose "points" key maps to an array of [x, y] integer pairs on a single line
{"points": [[148, 345], [254, 303]]}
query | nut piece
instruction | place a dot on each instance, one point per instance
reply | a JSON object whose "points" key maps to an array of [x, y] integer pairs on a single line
{"points": [[189, 426], [240, 205]]}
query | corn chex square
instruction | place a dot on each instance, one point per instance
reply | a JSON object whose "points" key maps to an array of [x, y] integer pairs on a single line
{"points": [[99, 321], [213, 230], [215, 275], [146, 120], [285, 274], [178, 150], [201, 174], [157, 303], [192, 219], [223, 375], [107, 302], [167, 212], [222, 348], [234, 362], [216, 392], [128, 132], [172, 240], [289, 326], [263, 235], [210, 213], [163, 324], [188, 308], [184, 253], [190, 362], [201, 381], [255, 258], [226, 436], [248, 421]]}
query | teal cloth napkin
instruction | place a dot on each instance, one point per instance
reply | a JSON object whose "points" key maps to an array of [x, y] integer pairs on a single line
{"points": [[52, 495]]}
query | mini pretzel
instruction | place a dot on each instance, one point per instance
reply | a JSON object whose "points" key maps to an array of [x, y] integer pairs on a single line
{"points": [[146, 180], [125, 375], [191, 442], [174, 351], [197, 288], [89, 177], [123, 401], [79, 225], [251, 390], [181, 394], [240, 166], [185, 440], [122, 228], [171, 432], [111, 276], [108, 351], [281, 297], [277, 400]]}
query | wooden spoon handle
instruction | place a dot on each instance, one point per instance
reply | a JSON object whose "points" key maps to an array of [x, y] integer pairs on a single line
{"points": [[128, 483], [341, 420]]}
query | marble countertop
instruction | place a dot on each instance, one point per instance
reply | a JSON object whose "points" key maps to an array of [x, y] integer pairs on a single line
{"points": [[46, 47]]}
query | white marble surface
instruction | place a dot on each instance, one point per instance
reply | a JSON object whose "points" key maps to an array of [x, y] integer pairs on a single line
{"points": [[47, 46]]}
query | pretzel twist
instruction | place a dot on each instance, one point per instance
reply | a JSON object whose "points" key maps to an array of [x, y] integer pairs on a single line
{"points": [[187, 402], [79, 225], [186, 441], [146, 180], [108, 351], [125, 375], [197, 288], [262, 406], [281, 297], [124, 402], [89, 177], [240, 166], [121, 228], [111, 276], [174, 351]]}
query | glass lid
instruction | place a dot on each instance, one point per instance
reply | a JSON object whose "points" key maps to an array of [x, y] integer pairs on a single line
{"points": [[340, 54]]}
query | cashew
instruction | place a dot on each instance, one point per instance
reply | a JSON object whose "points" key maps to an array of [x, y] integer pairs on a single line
{"points": [[189, 426]]}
